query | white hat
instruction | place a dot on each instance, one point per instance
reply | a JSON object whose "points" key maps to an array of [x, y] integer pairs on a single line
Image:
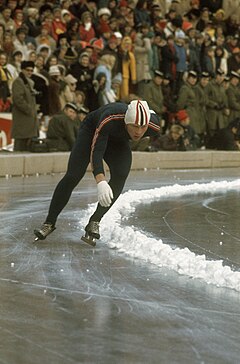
{"points": [[54, 71], [138, 113], [118, 35], [70, 79], [104, 11]]}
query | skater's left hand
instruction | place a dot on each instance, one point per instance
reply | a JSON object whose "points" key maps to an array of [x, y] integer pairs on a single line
{"points": [[105, 194]]}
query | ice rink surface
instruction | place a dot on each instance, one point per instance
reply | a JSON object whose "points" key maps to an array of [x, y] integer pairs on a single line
{"points": [[62, 301]]}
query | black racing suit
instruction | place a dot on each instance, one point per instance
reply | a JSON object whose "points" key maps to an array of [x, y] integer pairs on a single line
{"points": [[102, 136]]}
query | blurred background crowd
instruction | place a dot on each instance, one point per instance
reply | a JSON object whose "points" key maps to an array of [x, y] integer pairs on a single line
{"points": [[61, 59]]}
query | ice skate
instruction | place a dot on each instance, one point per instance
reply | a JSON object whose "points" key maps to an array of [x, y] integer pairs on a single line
{"points": [[92, 233], [44, 231]]}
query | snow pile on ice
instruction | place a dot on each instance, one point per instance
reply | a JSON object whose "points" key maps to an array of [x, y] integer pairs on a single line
{"points": [[138, 245]]}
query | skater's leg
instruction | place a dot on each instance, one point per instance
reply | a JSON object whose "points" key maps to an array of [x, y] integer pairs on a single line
{"points": [[119, 159], [77, 165]]}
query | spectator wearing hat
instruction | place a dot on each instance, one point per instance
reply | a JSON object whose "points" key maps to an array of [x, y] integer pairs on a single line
{"points": [[201, 113], [102, 21], [233, 94], [54, 90], [68, 89], [152, 93], [82, 113], [217, 106], [128, 67], [63, 128], [191, 140], [24, 111], [84, 74], [187, 99], [86, 28]]}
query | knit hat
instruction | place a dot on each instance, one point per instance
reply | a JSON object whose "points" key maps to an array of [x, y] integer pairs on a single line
{"points": [[138, 113], [182, 115]]}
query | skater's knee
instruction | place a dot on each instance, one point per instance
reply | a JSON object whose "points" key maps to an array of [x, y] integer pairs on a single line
{"points": [[72, 179]]}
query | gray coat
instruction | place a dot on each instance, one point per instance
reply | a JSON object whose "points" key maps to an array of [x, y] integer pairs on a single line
{"points": [[24, 113], [217, 102], [233, 93], [187, 100]]}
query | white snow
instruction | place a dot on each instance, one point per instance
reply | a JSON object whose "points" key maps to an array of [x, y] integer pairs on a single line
{"points": [[136, 244]]}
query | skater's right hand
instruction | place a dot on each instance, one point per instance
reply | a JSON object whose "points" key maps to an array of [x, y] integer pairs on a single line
{"points": [[105, 194]]}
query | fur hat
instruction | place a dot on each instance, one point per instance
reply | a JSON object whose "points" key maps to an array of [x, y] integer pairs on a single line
{"points": [[26, 64]]}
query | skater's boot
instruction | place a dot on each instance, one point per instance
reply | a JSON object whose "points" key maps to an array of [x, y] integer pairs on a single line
{"points": [[92, 233], [44, 231]]}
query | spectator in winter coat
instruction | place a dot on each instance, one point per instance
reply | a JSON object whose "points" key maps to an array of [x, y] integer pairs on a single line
{"points": [[191, 140], [153, 93], [217, 104], [63, 128], [187, 99], [25, 124], [233, 93]]}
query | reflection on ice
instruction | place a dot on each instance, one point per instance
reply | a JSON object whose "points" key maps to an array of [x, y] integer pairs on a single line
{"points": [[138, 245]]}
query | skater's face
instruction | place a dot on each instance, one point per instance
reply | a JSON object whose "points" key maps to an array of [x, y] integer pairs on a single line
{"points": [[136, 132]]}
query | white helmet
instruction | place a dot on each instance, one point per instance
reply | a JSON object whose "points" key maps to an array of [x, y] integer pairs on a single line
{"points": [[138, 113]]}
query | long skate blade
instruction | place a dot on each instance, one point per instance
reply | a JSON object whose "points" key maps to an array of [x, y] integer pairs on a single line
{"points": [[90, 241]]}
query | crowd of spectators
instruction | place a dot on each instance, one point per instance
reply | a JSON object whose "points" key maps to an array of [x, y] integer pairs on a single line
{"points": [[182, 57]]}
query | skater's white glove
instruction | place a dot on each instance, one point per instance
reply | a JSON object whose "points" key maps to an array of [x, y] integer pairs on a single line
{"points": [[105, 194]]}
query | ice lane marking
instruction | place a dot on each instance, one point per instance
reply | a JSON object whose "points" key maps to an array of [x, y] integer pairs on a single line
{"points": [[44, 348], [190, 241], [128, 300], [209, 200]]}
